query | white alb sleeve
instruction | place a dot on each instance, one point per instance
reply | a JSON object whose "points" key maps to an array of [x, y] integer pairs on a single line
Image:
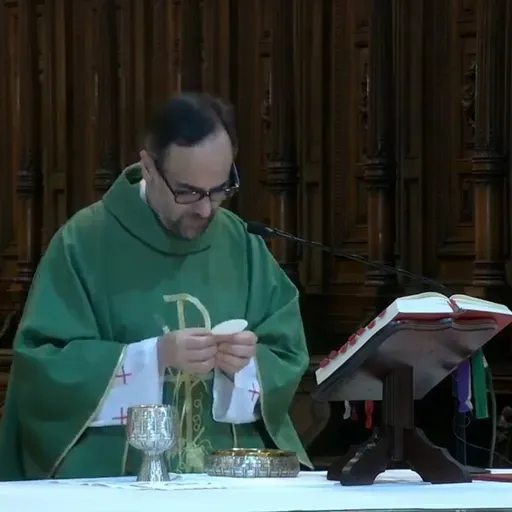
{"points": [[138, 381], [237, 400]]}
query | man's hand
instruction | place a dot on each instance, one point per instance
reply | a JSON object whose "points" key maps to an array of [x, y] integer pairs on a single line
{"points": [[235, 351], [190, 350]]}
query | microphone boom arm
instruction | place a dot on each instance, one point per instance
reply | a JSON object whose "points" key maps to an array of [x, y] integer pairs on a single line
{"points": [[263, 230]]}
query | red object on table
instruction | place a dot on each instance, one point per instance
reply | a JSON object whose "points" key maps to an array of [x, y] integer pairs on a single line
{"points": [[497, 477]]}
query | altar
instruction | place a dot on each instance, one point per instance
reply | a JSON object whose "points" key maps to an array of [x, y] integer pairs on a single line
{"points": [[311, 491]]}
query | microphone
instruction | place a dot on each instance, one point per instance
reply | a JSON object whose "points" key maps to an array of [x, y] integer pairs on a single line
{"points": [[258, 228]]}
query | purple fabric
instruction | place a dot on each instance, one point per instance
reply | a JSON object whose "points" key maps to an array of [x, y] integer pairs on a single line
{"points": [[463, 378]]}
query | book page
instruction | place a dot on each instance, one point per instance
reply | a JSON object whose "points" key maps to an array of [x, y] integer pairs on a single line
{"points": [[429, 302], [476, 304], [424, 295], [432, 302]]}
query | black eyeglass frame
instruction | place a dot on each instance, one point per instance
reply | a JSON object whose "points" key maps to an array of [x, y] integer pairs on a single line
{"points": [[200, 194]]}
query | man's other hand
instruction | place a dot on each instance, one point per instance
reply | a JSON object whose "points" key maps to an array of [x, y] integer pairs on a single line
{"points": [[235, 351], [189, 350]]}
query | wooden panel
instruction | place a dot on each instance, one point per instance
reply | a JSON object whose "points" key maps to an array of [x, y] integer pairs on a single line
{"points": [[378, 126]]}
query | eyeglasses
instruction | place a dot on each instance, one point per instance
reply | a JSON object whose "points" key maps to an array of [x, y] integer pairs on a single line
{"points": [[190, 194]]}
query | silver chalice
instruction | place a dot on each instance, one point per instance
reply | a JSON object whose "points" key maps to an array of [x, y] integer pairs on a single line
{"points": [[151, 429]]}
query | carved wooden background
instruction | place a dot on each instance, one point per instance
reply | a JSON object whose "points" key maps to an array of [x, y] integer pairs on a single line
{"points": [[378, 126]]}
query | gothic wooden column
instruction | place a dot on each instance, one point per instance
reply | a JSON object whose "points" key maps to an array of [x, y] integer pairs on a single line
{"points": [[282, 166], [310, 33], [6, 145], [379, 170], [191, 46], [28, 177], [251, 108], [164, 49], [108, 94], [489, 161], [218, 36]]}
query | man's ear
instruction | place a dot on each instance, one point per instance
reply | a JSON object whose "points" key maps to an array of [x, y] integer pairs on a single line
{"points": [[148, 166]]}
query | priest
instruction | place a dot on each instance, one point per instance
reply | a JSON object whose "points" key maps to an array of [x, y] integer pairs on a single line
{"points": [[122, 309]]}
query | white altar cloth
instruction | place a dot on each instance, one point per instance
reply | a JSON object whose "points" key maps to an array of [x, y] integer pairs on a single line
{"points": [[311, 491]]}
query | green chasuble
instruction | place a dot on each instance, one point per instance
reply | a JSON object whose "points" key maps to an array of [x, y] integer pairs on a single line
{"points": [[113, 276]]}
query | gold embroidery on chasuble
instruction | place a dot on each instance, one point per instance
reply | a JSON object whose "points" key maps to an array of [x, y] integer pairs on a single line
{"points": [[188, 394]]}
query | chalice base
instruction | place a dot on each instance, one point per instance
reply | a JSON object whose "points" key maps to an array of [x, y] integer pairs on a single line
{"points": [[153, 469]]}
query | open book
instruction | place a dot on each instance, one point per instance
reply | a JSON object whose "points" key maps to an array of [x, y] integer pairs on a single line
{"points": [[429, 306]]}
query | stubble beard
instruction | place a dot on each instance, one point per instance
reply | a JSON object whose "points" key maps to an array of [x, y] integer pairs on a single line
{"points": [[176, 226], [179, 227]]}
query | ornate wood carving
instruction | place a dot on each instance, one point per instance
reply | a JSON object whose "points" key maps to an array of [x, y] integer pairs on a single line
{"points": [[5, 368], [105, 174], [490, 158], [249, 55], [28, 176], [191, 45], [281, 165], [163, 59], [6, 141], [308, 88], [379, 168], [408, 125], [218, 58], [55, 115], [378, 126]]}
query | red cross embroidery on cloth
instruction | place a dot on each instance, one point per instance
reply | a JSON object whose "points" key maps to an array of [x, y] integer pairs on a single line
{"points": [[254, 392], [123, 375], [122, 417]]}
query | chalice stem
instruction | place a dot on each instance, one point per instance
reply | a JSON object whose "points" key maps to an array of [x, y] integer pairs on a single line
{"points": [[153, 468]]}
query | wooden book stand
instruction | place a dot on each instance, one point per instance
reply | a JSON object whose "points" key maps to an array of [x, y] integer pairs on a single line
{"points": [[399, 364]]}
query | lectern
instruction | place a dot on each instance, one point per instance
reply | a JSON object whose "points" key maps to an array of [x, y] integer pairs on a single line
{"points": [[398, 362]]}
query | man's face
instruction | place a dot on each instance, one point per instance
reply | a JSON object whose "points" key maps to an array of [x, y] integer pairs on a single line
{"points": [[189, 171]]}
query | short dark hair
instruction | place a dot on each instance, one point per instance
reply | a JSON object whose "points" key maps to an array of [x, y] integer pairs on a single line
{"points": [[187, 119]]}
